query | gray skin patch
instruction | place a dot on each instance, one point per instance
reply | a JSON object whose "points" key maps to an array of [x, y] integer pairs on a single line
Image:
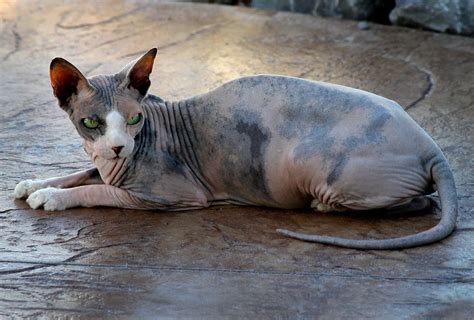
{"points": [[319, 139], [243, 167], [171, 165], [304, 104], [96, 107], [337, 169], [240, 140], [258, 143], [372, 135]]}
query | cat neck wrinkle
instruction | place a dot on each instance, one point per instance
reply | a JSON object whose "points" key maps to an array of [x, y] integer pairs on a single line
{"points": [[116, 172], [170, 124], [112, 172]]}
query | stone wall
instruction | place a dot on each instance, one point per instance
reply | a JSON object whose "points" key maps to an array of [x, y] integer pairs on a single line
{"points": [[451, 16]]}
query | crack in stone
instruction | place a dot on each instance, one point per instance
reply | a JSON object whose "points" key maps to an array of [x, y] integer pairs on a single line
{"points": [[434, 280], [189, 37], [130, 35], [94, 67], [88, 25], [95, 249], [78, 233], [68, 310], [428, 77], [39, 265], [305, 73], [61, 165], [429, 88], [9, 210], [16, 47]]}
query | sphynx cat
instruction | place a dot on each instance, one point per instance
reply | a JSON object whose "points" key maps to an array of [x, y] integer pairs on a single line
{"points": [[263, 140]]}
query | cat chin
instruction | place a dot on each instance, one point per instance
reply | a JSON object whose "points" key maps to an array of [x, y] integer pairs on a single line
{"points": [[114, 159], [108, 158], [111, 157], [106, 154]]}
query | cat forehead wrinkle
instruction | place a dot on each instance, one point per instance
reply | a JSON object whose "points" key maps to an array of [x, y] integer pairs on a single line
{"points": [[105, 87], [86, 106], [127, 105], [85, 94]]}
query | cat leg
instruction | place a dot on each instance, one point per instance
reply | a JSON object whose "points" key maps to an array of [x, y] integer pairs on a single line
{"points": [[86, 177], [53, 199]]}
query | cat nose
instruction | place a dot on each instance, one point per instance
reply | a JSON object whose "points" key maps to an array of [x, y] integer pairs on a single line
{"points": [[117, 149]]}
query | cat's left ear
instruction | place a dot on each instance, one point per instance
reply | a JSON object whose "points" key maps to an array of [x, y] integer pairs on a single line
{"points": [[66, 81], [138, 75]]}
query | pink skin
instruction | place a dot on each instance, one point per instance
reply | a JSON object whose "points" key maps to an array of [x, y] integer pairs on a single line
{"points": [[94, 195], [84, 188], [81, 178]]}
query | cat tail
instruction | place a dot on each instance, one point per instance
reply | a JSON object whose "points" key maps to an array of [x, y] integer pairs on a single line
{"points": [[444, 180]]}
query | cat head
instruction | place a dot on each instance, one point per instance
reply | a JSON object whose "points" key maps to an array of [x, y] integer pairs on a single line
{"points": [[105, 109]]}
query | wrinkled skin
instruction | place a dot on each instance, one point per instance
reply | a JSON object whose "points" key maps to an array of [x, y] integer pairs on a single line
{"points": [[263, 140]]}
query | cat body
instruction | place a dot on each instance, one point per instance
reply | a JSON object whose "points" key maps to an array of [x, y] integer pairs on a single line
{"points": [[263, 140]]}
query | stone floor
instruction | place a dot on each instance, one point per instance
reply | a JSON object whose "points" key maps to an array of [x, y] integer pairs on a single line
{"points": [[222, 262]]}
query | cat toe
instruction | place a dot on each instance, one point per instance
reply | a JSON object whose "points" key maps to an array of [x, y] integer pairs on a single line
{"points": [[48, 198], [25, 188], [318, 206], [321, 207]]}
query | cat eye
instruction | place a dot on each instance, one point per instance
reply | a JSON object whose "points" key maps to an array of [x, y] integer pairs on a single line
{"points": [[135, 119], [90, 123]]}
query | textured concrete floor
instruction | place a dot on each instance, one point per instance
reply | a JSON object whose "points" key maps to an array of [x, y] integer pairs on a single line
{"points": [[222, 262]]}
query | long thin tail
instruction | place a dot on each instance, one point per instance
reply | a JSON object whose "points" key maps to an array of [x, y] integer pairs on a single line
{"points": [[444, 180]]}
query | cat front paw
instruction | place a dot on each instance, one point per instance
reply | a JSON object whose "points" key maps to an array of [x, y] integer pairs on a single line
{"points": [[27, 187], [49, 198]]}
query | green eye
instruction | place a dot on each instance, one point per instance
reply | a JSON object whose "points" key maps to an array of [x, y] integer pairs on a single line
{"points": [[90, 123], [134, 120]]}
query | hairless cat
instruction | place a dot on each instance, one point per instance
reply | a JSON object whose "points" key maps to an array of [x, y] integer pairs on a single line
{"points": [[263, 140]]}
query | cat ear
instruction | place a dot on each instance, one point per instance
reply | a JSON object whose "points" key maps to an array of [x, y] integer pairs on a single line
{"points": [[138, 76], [66, 81]]}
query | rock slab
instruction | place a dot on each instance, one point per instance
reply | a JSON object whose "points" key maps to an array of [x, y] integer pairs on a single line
{"points": [[375, 10], [452, 16]]}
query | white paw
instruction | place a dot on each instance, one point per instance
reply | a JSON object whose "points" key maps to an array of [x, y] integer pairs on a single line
{"points": [[49, 198], [27, 187]]}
